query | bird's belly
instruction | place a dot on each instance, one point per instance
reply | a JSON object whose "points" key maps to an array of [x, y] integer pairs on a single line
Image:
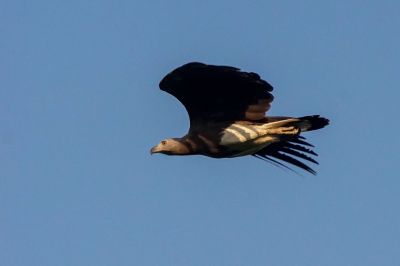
{"points": [[241, 140]]}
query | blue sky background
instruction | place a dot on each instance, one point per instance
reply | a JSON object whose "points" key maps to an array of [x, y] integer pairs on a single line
{"points": [[80, 109]]}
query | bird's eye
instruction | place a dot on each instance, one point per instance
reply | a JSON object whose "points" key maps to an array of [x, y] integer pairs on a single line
{"points": [[163, 142]]}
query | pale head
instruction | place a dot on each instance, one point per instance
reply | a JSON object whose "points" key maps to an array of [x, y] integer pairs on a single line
{"points": [[172, 146]]}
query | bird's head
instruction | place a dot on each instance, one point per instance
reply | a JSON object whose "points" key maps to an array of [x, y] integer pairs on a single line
{"points": [[170, 147]]}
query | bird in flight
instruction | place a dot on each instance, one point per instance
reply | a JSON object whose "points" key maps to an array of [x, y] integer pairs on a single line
{"points": [[227, 109]]}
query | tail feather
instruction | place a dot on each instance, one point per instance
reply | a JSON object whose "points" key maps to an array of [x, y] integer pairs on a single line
{"points": [[305, 123], [314, 122]]}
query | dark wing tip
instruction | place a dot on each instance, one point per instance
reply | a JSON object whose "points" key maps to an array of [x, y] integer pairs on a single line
{"points": [[290, 152]]}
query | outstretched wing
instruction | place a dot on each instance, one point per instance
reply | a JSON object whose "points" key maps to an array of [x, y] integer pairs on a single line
{"points": [[218, 93]]}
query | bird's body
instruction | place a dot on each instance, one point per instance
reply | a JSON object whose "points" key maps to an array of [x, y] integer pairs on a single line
{"points": [[227, 117]]}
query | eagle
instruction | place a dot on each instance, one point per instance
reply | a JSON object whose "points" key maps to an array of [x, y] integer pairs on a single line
{"points": [[226, 108]]}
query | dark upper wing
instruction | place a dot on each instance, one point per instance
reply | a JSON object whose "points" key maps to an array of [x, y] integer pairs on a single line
{"points": [[218, 93]]}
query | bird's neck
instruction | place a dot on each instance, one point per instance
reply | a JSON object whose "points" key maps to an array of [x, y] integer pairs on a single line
{"points": [[183, 146]]}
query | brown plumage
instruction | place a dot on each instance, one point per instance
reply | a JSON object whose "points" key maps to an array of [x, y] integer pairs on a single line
{"points": [[227, 109]]}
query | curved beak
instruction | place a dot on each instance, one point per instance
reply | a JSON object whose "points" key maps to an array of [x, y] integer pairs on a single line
{"points": [[154, 150]]}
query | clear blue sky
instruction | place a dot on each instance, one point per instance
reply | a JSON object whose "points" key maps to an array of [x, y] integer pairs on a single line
{"points": [[80, 109]]}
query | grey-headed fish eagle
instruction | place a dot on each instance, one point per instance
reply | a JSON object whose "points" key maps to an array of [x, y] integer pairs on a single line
{"points": [[227, 109]]}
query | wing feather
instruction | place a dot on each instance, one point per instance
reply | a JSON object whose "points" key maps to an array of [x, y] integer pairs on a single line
{"points": [[288, 152], [218, 93]]}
